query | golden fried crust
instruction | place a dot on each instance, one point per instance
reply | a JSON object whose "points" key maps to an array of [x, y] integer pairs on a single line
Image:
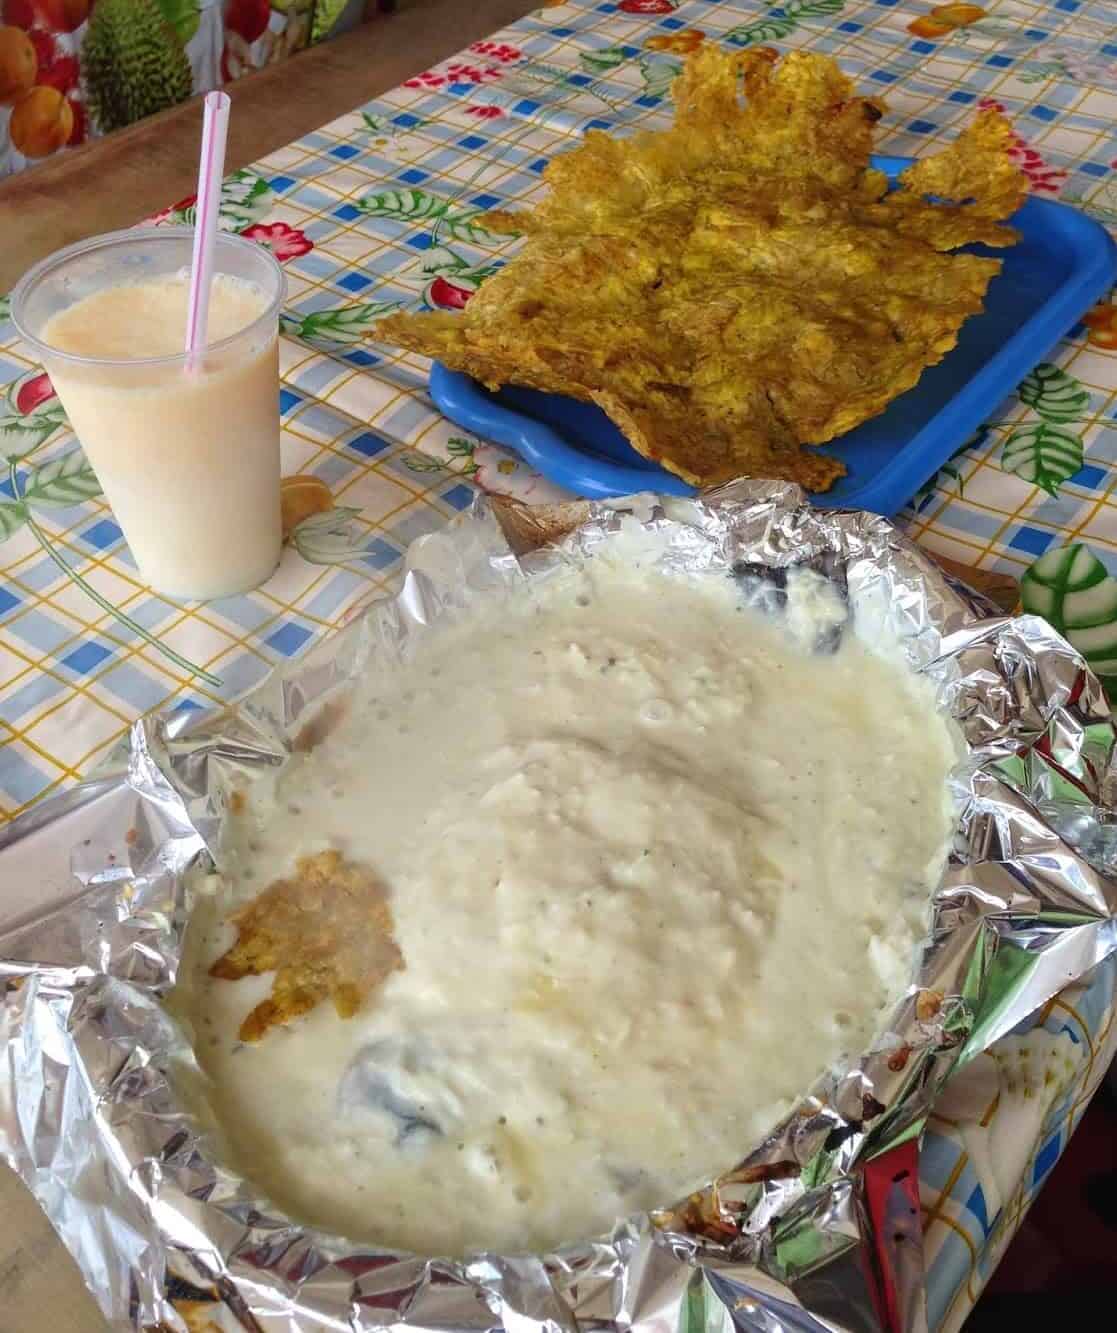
{"points": [[740, 285], [960, 196], [326, 933], [199, 1316]]}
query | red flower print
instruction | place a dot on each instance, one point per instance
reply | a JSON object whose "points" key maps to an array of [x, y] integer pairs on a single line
{"points": [[497, 51], [647, 6], [283, 241], [485, 112], [428, 79], [460, 72], [33, 392], [168, 214]]}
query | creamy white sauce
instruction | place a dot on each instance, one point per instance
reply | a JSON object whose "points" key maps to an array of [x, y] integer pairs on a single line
{"points": [[653, 866]]}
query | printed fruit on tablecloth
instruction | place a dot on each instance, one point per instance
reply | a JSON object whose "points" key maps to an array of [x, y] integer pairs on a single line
{"points": [[1102, 324], [943, 19], [45, 47], [184, 17], [449, 293], [301, 496], [958, 16], [247, 18], [19, 13], [38, 389], [647, 6], [41, 123], [929, 27], [133, 64], [62, 15], [61, 74], [18, 65]]}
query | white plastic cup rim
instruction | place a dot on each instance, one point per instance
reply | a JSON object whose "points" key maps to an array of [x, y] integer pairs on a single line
{"points": [[139, 236]]}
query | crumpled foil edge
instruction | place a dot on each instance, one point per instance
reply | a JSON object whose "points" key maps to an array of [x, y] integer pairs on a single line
{"points": [[88, 1113]]}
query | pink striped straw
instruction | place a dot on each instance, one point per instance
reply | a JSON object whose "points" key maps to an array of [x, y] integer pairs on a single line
{"points": [[211, 169]]}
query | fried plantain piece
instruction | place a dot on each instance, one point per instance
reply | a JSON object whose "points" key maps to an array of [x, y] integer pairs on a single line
{"points": [[740, 285], [961, 195], [326, 933]]}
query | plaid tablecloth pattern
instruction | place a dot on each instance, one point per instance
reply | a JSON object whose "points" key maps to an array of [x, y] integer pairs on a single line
{"points": [[379, 210]]}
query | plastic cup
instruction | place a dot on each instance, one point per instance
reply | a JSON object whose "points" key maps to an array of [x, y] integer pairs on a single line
{"points": [[188, 459]]}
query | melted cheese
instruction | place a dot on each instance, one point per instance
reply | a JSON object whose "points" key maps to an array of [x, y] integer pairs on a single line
{"points": [[654, 866]]}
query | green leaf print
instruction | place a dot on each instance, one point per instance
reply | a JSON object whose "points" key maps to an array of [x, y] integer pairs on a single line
{"points": [[462, 458], [994, 27], [1070, 588], [776, 26], [50, 476], [19, 437], [1036, 71], [12, 518], [383, 128], [659, 75], [441, 261], [415, 206], [329, 538], [598, 62], [62, 482], [1043, 454], [814, 8], [326, 14], [245, 198], [1054, 394], [346, 324], [5, 309], [30, 413], [766, 30], [418, 463], [535, 79], [949, 472], [183, 16]]}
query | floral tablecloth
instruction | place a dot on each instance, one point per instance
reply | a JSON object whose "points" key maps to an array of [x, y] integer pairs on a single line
{"points": [[382, 209]]}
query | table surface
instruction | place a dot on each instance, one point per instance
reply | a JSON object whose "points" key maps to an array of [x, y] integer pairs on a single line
{"points": [[375, 211]]}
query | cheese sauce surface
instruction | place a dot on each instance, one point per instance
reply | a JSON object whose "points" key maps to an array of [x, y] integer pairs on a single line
{"points": [[653, 865]]}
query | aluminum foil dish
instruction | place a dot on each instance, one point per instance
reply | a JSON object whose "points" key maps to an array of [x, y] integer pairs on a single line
{"points": [[92, 1118]]}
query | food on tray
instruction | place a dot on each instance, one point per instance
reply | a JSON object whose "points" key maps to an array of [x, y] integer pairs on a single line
{"points": [[740, 285], [653, 855]]}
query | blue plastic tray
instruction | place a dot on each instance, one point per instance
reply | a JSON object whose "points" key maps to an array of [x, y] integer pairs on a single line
{"points": [[1063, 264]]}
